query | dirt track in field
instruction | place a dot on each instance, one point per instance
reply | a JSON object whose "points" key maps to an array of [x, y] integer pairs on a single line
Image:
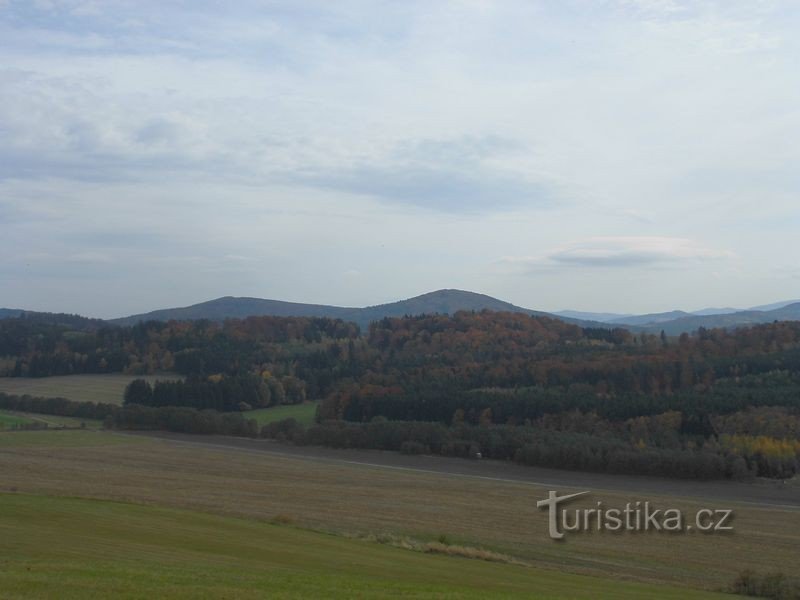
{"points": [[766, 493]]}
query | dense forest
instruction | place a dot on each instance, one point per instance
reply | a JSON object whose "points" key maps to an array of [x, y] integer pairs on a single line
{"points": [[722, 403]]}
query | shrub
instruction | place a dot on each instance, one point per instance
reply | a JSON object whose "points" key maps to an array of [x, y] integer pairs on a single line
{"points": [[769, 585]]}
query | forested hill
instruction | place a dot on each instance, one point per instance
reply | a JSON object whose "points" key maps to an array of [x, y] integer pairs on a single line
{"points": [[438, 302], [230, 307], [468, 350], [449, 302], [721, 403]]}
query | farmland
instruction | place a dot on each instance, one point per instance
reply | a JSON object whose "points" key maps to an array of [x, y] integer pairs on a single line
{"points": [[94, 388], [110, 389], [73, 548], [241, 516], [352, 500]]}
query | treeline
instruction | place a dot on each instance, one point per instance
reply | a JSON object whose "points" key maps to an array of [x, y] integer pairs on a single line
{"points": [[666, 445], [524, 445], [56, 406], [137, 417], [520, 405], [218, 392], [181, 420]]}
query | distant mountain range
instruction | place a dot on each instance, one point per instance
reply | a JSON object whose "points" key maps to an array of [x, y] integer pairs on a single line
{"points": [[451, 301], [64, 319], [441, 302], [737, 319], [678, 321], [448, 302], [600, 317], [746, 316]]}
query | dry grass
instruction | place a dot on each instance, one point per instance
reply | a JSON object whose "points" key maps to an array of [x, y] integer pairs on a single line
{"points": [[407, 543], [470, 552], [500, 517]]}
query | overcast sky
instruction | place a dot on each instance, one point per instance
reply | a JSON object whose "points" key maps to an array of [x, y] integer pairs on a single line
{"points": [[630, 156]]}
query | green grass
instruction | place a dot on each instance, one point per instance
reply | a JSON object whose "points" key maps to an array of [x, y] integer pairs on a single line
{"points": [[54, 547], [52, 420], [95, 388], [64, 439], [8, 420], [304, 413]]}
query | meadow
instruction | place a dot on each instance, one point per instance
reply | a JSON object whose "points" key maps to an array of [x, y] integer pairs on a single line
{"points": [[108, 388], [303, 413], [367, 503], [9, 420]]}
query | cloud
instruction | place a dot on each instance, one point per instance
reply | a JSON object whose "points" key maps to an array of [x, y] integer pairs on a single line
{"points": [[69, 128], [450, 175], [442, 189], [407, 141], [623, 252]]}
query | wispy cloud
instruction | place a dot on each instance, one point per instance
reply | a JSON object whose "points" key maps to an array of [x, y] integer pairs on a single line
{"points": [[618, 252]]}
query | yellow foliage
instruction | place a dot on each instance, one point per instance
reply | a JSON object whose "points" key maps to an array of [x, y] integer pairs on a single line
{"points": [[748, 445]]}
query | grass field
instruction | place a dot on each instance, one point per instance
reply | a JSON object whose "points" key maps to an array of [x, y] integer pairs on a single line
{"points": [[9, 420], [351, 499], [58, 440], [95, 388], [73, 548], [10, 417], [304, 413]]}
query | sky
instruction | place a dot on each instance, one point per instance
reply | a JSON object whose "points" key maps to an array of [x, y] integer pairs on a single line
{"points": [[628, 156]]}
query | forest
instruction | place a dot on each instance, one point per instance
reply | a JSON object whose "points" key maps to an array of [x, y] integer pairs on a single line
{"points": [[718, 403]]}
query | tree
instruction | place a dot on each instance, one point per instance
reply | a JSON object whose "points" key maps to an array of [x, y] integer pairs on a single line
{"points": [[138, 392]]}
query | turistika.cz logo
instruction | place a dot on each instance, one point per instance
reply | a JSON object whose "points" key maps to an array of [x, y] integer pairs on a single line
{"points": [[635, 517]]}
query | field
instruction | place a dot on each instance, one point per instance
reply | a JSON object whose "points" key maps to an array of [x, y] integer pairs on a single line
{"points": [[110, 389], [348, 500], [73, 548], [304, 413], [95, 388], [9, 420]]}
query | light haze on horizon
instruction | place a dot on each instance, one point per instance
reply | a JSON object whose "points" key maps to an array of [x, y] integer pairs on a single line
{"points": [[629, 156]]}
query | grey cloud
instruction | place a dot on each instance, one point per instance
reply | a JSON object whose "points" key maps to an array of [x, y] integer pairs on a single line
{"points": [[91, 134], [622, 251], [450, 175], [444, 189], [158, 130], [615, 259], [457, 152]]}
